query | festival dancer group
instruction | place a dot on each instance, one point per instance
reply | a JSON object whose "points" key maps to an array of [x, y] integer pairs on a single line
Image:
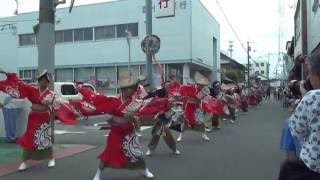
{"points": [[173, 106]]}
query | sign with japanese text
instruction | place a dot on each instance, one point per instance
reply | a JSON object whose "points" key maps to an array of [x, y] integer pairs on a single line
{"points": [[165, 8]]}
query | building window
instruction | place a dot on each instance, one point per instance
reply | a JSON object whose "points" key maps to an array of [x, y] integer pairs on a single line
{"points": [[132, 27], [262, 72], [257, 64], [262, 64], [84, 34], [124, 69], [64, 75], [28, 75], [105, 32], [106, 78], [27, 39], [64, 36], [85, 75]]}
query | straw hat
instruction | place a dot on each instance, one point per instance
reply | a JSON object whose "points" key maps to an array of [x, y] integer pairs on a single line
{"points": [[200, 79], [43, 73], [126, 80]]}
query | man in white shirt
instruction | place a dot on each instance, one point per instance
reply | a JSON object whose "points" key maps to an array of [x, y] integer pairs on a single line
{"points": [[10, 112]]}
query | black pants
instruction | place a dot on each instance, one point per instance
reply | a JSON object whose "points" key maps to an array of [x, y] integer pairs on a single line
{"points": [[297, 170], [232, 113]]}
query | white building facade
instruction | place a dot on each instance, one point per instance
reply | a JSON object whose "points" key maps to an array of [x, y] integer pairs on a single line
{"points": [[258, 68], [91, 42]]}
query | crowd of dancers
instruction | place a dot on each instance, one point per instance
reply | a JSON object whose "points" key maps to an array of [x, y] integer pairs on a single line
{"points": [[197, 106]]}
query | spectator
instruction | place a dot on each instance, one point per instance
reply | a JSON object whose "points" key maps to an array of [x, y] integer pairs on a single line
{"points": [[290, 144], [305, 125], [268, 93], [10, 111]]}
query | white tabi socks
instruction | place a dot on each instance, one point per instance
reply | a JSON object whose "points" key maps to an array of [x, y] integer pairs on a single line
{"points": [[23, 166], [179, 138], [98, 175], [52, 163], [147, 174]]}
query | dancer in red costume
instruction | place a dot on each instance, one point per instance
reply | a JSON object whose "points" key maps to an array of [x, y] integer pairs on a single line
{"points": [[37, 140], [194, 115], [123, 150]]}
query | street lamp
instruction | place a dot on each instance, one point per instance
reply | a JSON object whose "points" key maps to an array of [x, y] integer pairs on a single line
{"points": [[129, 36]]}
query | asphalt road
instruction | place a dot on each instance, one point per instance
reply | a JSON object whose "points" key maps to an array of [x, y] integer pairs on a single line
{"points": [[246, 150]]}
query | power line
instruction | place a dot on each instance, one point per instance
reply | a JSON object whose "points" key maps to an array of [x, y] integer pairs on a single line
{"points": [[235, 33]]}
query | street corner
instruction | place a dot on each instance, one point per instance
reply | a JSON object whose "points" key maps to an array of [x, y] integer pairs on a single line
{"points": [[10, 155]]}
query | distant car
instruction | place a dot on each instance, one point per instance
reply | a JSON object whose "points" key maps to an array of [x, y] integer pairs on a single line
{"points": [[68, 90]]}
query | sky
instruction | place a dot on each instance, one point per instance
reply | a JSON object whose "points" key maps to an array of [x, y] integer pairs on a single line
{"points": [[256, 21]]}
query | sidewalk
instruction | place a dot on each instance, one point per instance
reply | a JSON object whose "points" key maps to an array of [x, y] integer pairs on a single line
{"points": [[10, 155]]}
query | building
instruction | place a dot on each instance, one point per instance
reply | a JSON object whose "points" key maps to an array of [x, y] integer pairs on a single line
{"points": [[91, 42], [306, 35], [232, 69], [259, 67]]}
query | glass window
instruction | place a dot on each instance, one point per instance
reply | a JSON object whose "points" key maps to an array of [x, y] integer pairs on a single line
{"points": [[27, 74], [27, 39], [21, 73], [121, 30], [85, 75], [257, 65], [132, 27], [262, 64], [78, 35], [134, 70], [88, 34], [84, 34], [106, 78], [59, 37], [105, 32], [68, 89], [175, 71], [143, 70], [64, 75], [64, 36], [262, 72], [68, 35]]}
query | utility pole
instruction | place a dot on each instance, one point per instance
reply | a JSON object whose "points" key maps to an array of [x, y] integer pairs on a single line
{"points": [[45, 33], [129, 36], [46, 37], [248, 51], [149, 32], [268, 69], [304, 34], [231, 48]]}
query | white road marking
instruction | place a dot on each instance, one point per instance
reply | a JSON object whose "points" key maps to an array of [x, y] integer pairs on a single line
{"points": [[60, 132]]}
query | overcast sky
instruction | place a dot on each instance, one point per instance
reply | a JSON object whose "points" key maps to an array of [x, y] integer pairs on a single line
{"points": [[253, 20]]}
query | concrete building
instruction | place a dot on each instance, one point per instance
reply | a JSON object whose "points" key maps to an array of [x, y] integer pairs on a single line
{"points": [[306, 35], [91, 42], [259, 67], [230, 67]]}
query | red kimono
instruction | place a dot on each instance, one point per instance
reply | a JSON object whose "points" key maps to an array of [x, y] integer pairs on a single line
{"points": [[122, 144], [38, 133]]}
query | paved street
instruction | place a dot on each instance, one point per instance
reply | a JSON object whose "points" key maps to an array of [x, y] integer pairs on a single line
{"points": [[246, 150]]}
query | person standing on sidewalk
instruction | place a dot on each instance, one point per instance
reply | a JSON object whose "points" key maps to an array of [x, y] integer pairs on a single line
{"points": [[304, 124], [268, 93], [10, 112]]}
